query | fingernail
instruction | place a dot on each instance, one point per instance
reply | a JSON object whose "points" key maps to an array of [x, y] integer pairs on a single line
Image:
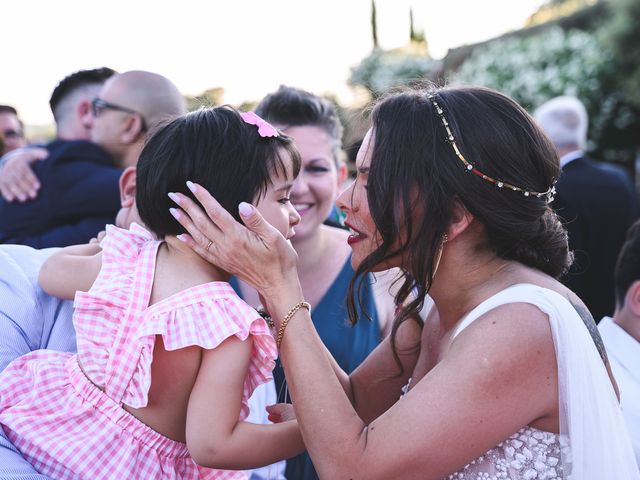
{"points": [[174, 197], [245, 209], [174, 212], [191, 186], [181, 238]]}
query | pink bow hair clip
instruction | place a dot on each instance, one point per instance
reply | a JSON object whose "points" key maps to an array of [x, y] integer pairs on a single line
{"points": [[265, 129]]}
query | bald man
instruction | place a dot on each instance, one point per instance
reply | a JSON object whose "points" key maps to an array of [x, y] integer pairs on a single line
{"points": [[79, 193]]}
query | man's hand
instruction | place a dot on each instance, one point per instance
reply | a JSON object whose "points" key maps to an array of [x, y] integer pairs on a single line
{"points": [[17, 180]]}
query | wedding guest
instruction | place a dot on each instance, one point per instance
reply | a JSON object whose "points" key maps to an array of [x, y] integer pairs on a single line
{"points": [[325, 257], [621, 334], [79, 178], [596, 201], [11, 129]]}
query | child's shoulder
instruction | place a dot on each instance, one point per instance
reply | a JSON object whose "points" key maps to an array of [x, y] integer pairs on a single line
{"points": [[204, 315], [212, 297]]}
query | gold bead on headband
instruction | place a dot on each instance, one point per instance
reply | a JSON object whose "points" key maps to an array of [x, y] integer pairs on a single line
{"points": [[469, 167]]}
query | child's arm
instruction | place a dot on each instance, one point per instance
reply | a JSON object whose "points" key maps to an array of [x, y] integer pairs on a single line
{"points": [[215, 437], [71, 269]]}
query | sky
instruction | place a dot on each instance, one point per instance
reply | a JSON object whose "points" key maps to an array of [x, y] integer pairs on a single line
{"points": [[248, 47]]}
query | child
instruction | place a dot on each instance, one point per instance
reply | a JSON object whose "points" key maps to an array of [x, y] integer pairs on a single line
{"points": [[168, 355]]}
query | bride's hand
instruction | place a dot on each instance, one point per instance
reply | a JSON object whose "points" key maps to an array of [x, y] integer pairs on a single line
{"points": [[257, 253]]}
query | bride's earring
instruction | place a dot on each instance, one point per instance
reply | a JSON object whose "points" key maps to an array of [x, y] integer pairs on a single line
{"points": [[439, 255]]}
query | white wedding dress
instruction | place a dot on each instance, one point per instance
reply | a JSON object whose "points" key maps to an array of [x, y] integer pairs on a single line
{"points": [[593, 443]]}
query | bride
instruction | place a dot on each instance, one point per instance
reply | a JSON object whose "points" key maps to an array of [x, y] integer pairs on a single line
{"points": [[509, 380]]}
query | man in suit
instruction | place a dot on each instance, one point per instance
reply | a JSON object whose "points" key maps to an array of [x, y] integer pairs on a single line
{"points": [[596, 201], [79, 178]]}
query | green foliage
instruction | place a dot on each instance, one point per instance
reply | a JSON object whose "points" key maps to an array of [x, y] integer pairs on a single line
{"points": [[537, 68], [622, 35], [208, 98], [382, 70]]}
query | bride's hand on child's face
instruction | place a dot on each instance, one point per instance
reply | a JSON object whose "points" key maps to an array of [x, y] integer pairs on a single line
{"points": [[281, 412], [257, 253]]}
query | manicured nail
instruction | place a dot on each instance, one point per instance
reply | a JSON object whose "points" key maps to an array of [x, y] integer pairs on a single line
{"points": [[181, 238], [245, 209], [191, 186], [174, 197], [175, 213]]}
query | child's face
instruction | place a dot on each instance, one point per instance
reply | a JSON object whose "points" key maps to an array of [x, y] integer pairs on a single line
{"points": [[275, 205]]}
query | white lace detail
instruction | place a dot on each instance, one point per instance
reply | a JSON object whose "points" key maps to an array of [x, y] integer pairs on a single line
{"points": [[526, 455]]}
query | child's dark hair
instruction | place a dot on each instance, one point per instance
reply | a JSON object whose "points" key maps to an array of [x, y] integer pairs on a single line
{"points": [[215, 148], [416, 173]]}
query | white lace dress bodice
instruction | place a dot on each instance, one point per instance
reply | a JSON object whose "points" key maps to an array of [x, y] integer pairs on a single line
{"points": [[527, 454]]}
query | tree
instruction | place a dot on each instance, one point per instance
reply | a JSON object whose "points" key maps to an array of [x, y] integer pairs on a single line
{"points": [[208, 98], [622, 35], [536, 68], [374, 24]]}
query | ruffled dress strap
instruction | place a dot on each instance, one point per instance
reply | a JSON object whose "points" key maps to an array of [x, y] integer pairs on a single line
{"points": [[205, 316], [136, 244]]}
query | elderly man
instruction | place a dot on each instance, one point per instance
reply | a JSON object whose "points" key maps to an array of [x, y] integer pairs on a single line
{"points": [[79, 193], [597, 202]]}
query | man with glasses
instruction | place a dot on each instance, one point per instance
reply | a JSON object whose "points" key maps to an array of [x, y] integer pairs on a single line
{"points": [[70, 196], [11, 129]]}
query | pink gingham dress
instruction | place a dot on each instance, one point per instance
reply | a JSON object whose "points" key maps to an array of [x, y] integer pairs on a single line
{"points": [[70, 429]]}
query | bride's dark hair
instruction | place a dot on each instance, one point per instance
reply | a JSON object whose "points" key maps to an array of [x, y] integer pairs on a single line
{"points": [[414, 167]]}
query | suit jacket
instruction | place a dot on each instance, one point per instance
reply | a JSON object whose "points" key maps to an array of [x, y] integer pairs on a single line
{"points": [[78, 197], [597, 203]]}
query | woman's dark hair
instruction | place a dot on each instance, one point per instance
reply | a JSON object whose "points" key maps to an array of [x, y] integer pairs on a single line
{"points": [[415, 168], [293, 107], [215, 148]]}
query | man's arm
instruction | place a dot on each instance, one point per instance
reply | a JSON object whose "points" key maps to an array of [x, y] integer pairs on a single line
{"points": [[29, 320], [79, 195], [63, 235], [17, 180]]}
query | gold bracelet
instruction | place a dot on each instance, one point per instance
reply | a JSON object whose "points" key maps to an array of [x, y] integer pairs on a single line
{"points": [[288, 317]]}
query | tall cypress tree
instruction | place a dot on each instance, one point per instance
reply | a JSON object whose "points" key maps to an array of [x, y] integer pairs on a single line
{"points": [[374, 24]]}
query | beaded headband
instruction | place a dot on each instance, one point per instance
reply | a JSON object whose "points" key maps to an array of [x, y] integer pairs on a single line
{"points": [[469, 167]]}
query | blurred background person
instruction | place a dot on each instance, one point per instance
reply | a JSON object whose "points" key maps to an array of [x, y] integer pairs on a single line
{"points": [[11, 129], [324, 256], [70, 105], [596, 201], [79, 178], [621, 334]]}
